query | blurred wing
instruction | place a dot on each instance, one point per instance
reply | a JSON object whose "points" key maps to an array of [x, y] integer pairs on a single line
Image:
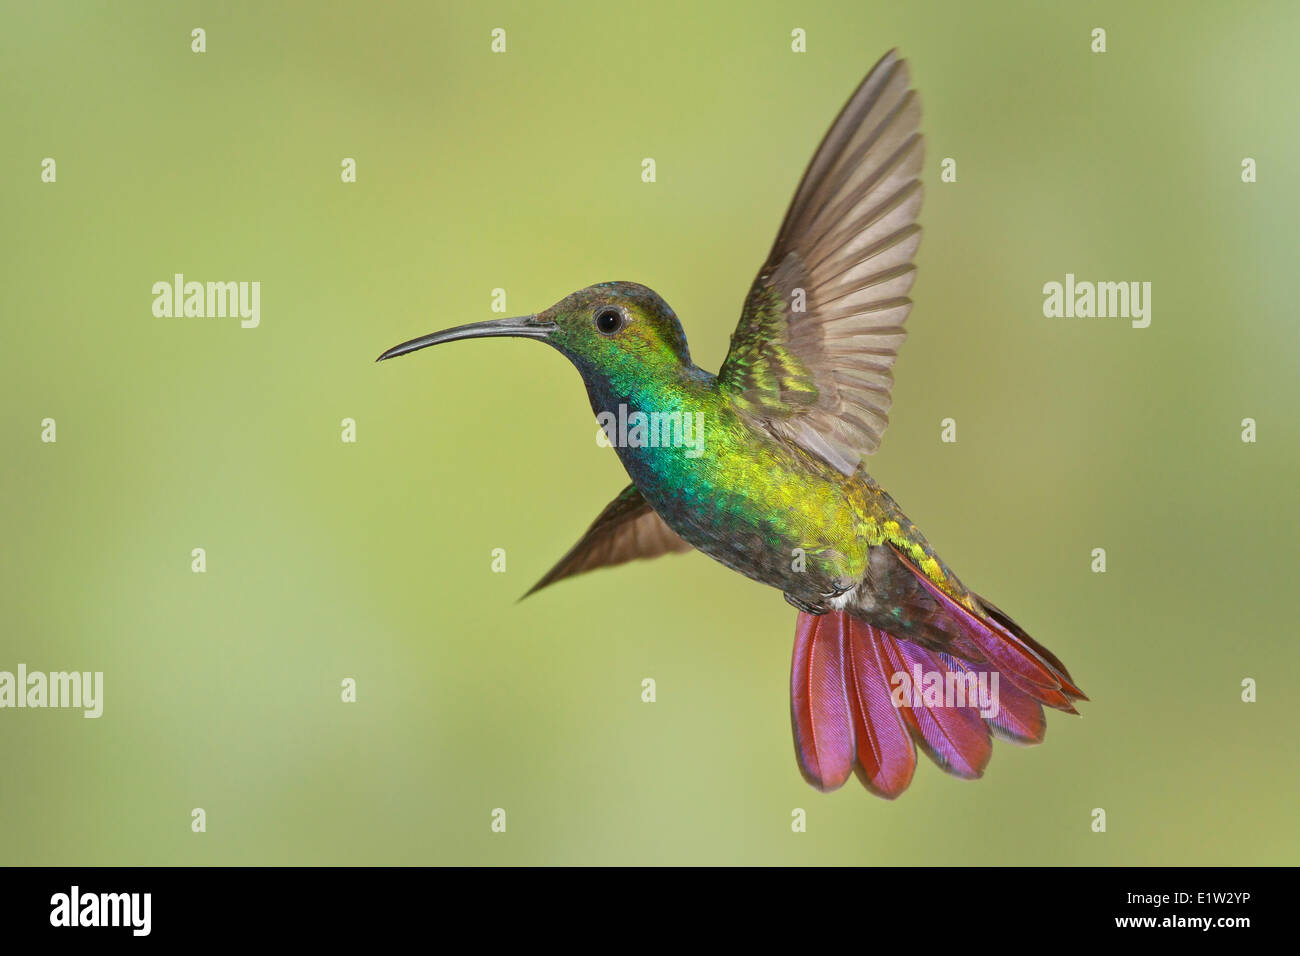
{"points": [[823, 321], [627, 529]]}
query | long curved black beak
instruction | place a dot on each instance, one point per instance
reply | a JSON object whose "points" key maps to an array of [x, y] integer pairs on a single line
{"points": [[524, 326]]}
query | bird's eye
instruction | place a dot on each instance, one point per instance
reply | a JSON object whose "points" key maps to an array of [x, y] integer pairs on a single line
{"points": [[608, 320]]}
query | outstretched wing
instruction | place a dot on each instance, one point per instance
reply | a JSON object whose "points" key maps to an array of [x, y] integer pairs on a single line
{"points": [[627, 529], [823, 321]]}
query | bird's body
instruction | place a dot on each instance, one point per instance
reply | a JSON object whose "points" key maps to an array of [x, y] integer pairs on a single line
{"points": [[755, 501], [761, 466]]}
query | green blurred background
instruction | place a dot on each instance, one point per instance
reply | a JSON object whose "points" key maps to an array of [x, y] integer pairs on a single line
{"points": [[522, 171]]}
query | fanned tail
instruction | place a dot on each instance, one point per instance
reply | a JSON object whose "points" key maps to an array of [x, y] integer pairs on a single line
{"points": [[852, 712]]}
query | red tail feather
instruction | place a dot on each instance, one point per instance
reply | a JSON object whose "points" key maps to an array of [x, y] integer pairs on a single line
{"points": [[819, 702], [851, 709], [886, 757]]}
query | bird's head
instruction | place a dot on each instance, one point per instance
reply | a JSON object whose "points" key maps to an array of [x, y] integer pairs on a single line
{"points": [[615, 333]]}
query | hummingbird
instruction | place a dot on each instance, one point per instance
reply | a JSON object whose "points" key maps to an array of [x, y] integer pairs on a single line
{"points": [[762, 467]]}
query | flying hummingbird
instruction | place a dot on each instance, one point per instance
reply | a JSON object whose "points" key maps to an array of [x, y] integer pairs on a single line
{"points": [[761, 467]]}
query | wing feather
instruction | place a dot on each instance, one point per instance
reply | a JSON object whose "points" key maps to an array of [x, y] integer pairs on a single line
{"points": [[823, 321], [627, 529]]}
